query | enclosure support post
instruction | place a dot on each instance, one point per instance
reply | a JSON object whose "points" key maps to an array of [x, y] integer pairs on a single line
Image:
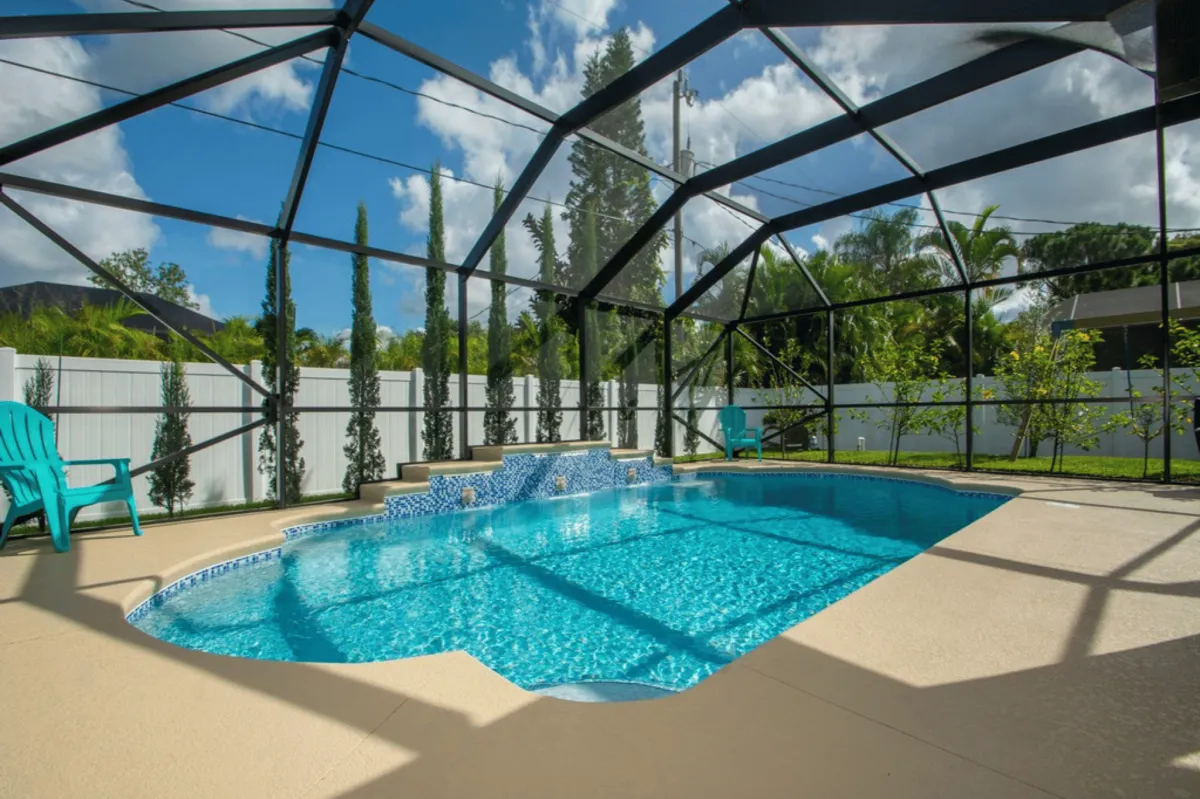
{"points": [[464, 444], [729, 364], [829, 373], [581, 336], [668, 396], [969, 319], [1164, 279]]}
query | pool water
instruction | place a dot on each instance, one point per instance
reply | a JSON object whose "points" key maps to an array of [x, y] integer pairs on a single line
{"points": [[660, 585]]}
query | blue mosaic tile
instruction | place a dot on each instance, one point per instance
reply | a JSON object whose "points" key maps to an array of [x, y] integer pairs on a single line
{"points": [[201, 576]]}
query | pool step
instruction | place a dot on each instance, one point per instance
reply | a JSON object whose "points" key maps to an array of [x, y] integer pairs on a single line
{"points": [[421, 472], [375, 493], [414, 477]]}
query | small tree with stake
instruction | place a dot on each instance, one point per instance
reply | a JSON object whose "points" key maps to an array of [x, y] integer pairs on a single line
{"points": [[170, 486]]}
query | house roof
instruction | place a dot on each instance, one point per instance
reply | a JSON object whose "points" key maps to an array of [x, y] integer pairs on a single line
{"points": [[23, 299], [1132, 306]]}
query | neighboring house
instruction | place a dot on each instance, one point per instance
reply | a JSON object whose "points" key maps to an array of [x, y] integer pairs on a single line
{"points": [[23, 299], [1129, 320]]}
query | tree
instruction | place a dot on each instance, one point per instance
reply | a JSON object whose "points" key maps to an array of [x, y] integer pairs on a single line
{"points": [[984, 251], [498, 425], [314, 349], [887, 246], [1048, 375], [283, 383], [132, 267], [594, 421], [612, 195], [435, 347], [549, 366], [1144, 419], [908, 368], [799, 410], [170, 486], [1090, 243], [39, 389], [363, 448]]}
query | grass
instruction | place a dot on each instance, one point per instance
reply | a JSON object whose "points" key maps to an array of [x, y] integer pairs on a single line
{"points": [[1073, 465], [31, 528]]}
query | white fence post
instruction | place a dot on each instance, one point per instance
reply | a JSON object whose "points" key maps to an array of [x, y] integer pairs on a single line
{"points": [[9, 390], [416, 420]]}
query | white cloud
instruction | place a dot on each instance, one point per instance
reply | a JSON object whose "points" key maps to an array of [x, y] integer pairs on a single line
{"points": [[149, 60], [30, 103], [236, 240], [203, 302]]}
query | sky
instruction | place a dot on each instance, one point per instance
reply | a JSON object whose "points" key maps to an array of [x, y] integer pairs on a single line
{"points": [[407, 117]]}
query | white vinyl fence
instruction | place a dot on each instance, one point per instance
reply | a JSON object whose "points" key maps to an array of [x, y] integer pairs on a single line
{"points": [[227, 473]]}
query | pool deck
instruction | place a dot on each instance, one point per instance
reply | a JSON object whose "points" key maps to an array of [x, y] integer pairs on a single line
{"points": [[1050, 649]]}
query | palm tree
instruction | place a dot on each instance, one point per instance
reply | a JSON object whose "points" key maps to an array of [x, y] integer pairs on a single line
{"points": [[984, 251], [724, 300], [313, 349]]}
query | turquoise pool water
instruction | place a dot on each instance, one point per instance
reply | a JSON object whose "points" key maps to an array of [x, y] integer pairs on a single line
{"points": [[660, 585]]}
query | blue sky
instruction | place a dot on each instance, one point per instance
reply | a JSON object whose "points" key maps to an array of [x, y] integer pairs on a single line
{"points": [[748, 97]]}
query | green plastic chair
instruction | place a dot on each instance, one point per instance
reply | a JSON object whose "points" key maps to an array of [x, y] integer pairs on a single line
{"points": [[737, 435], [33, 472]]}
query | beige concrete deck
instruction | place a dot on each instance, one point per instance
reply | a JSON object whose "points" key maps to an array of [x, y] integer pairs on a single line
{"points": [[1051, 649]]}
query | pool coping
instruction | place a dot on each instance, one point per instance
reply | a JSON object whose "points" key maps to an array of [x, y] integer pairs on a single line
{"points": [[962, 672], [201, 568]]}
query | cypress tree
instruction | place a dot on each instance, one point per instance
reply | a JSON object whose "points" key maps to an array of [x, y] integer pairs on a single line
{"points": [[170, 486], [286, 386], [364, 449], [435, 348], [498, 426], [39, 389], [594, 423], [549, 365], [615, 193]]}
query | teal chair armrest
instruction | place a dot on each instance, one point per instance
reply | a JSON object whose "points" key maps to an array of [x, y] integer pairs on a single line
{"points": [[97, 462]]}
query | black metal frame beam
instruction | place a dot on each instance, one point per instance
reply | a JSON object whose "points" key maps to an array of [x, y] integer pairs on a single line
{"points": [[194, 448], [23, 27], [799, 262], [1027, 277], [802, 13], [787, 368], [1075, 140], [449, 68], [700, 39], [351, 15], [118, 284], [93, 197], [143, 103], [985, 71], [695, 367]]}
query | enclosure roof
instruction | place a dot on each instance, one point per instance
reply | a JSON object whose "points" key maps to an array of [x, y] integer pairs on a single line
{"points": [[1000, 41]]}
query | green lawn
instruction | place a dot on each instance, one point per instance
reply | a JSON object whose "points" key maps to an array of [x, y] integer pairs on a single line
{"points": [[1081, 465]]}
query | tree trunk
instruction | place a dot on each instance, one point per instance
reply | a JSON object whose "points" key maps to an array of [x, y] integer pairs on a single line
{"points": [[1022, 428]]}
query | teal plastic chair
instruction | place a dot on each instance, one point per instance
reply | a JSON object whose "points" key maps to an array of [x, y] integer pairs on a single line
{"points": [[737, 435], [33, 472]]}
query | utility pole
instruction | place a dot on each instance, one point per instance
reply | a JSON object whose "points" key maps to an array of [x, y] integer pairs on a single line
{"points": [[682, 163]]}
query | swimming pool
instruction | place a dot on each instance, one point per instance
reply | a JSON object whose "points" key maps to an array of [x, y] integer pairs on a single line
{"points": [[658, 585]]}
